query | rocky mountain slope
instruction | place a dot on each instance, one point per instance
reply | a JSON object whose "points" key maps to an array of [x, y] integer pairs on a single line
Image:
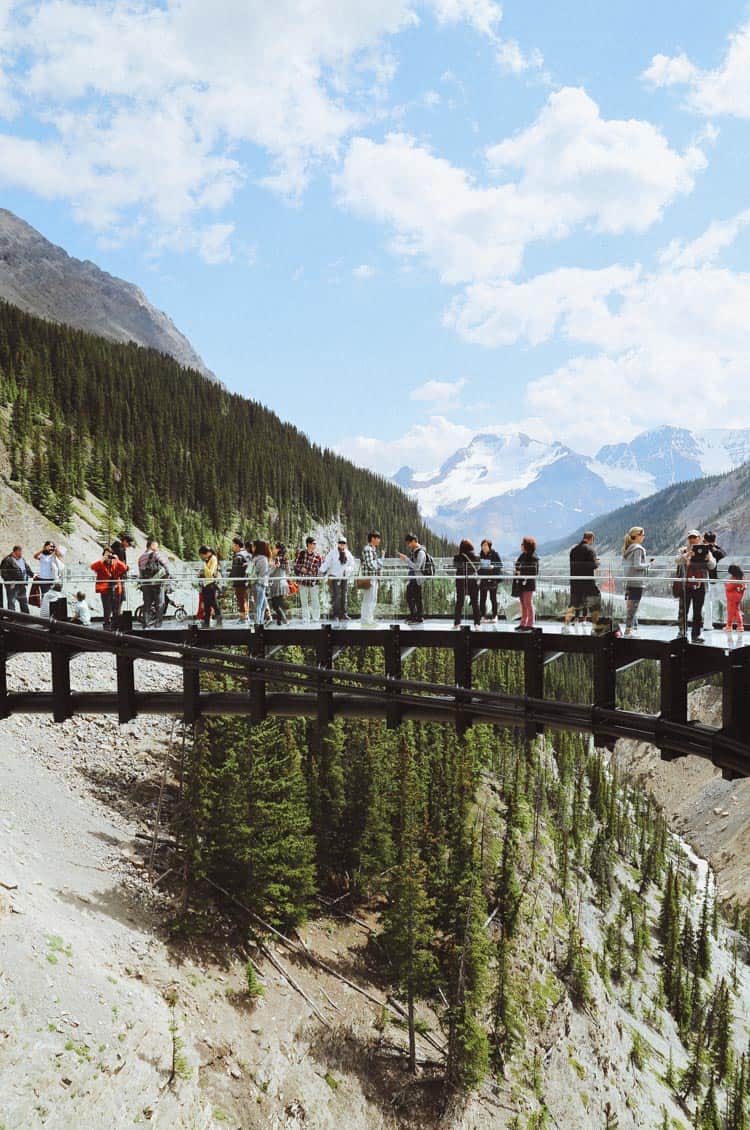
{"points": [[720, 503], [505, 486], [44, 280]]}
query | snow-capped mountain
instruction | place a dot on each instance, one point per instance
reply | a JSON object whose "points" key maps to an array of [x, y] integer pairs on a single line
{"points": [[506, 486]]}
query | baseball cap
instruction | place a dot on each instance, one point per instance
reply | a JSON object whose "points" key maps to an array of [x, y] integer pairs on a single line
{"points": [[693, 533], [342, 541]]}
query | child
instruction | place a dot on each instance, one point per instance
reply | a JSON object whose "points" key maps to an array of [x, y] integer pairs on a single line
{"points": [[81, 610], [735, 590]]}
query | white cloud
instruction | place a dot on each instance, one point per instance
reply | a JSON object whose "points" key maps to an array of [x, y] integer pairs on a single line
{"points": [[513, 59], [364, 271], [160, 112], [423, 447], [707, 247], [672, 344], [573, 168], [439, 392], [723, 90]]}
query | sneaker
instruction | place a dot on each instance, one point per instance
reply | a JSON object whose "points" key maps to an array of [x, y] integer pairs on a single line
{"points": [[697, 639], [456, 627], [629, 632]]}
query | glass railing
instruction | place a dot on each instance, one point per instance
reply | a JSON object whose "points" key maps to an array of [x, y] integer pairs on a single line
{"points": [[648, 604]]}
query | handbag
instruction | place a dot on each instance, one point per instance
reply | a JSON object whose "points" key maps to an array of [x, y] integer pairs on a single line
{"points": [[293, 588], [364, 583], [35, 595]]}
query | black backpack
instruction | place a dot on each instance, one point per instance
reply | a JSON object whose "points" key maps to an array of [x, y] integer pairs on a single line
{"points": [[151, 567], [428, 569]]}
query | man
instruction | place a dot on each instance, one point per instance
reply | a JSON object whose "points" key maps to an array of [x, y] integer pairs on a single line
{"points": [[307, 568], [109, 571], [152, 569], [15, 573], [415, 559], [238, 575], [694, 562], [585, 597], [370, 567], [121, 545]]}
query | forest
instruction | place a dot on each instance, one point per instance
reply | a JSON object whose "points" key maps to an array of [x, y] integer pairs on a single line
{"points": [[169, 450], [451, 839]]}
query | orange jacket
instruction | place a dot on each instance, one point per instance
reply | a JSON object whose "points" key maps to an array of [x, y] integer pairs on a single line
{"points": [[107, 573]]}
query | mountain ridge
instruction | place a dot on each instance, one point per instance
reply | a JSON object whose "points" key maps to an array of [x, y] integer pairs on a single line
{"points": [[43, 279]]}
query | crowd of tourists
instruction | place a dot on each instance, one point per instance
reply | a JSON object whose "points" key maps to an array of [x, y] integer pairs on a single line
{"points": [[263, 577]]}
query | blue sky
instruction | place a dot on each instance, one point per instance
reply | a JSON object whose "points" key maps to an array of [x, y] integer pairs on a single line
{"points": [[401, 223]]}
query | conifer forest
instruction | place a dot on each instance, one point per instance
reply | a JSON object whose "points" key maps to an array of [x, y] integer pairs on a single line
{"points": [[482, 855], [169, 450]]}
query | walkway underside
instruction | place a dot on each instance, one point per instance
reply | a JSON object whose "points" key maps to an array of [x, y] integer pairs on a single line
{"points": [[320, 689]]}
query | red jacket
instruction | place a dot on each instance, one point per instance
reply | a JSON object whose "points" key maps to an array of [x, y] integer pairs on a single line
{"points": [[107, 573]]}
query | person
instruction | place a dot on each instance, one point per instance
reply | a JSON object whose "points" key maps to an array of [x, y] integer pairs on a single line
{"points": [[81, 610], [466, 564], [109, 571], [153, 568], [415, 559], [209, 577], [15, 573], [585, 597], [634, 569], [307, 567], [261, 571], [50, 597], [370, 567], [717, 553], [238, 575], [524, 584], [338, 566], [121, 545], [735, 590], [278, 588], [49, 567], [694, 559], [490, 569]]}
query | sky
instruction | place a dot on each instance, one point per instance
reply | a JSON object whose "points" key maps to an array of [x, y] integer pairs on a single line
{"points": [[401, 223]]}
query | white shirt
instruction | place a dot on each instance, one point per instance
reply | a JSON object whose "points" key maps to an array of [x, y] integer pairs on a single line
{"points": [[49, 598], [49, 567], [81, 611], [337, 569]]}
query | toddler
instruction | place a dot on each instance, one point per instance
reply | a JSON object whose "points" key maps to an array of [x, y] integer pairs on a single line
{"points": [[81, 610], [735, 590]]}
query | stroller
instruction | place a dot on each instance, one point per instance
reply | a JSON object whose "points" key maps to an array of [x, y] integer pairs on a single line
{"points": [[180, 612]]}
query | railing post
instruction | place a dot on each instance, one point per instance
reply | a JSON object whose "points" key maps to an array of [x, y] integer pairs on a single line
{"points": [[393, 671], [736, 697], [257, 684], [4, 711], [191, 682], [62, 708], [533, 672], [125, 668], [462, 677], [325, 662], [674, 687], [605, 681]]}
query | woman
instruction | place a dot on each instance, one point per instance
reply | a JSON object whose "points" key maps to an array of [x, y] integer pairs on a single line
{"points": [[490, 569], [209, 576], [261, 571], [524, 585], [109, 572], [466, 564], [634, 569], [279, 586], [338, 566]]}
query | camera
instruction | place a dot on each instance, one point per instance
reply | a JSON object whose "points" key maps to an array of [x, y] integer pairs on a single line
{"points": [[700, 552]]}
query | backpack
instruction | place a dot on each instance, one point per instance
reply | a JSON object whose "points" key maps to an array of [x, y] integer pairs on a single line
{"points": [[239, 566], [428, 569], [152, 567], [10, 570]]}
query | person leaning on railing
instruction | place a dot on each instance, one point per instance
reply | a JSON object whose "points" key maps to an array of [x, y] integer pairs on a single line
{"points": [[338, 566]]}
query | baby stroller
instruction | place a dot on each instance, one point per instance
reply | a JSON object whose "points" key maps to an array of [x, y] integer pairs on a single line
{"points": [[180, 612]]}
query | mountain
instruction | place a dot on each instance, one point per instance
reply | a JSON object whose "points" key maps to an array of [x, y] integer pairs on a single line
{"points": [[44, 280], [720, 503], [168, 450], [508, 485]]}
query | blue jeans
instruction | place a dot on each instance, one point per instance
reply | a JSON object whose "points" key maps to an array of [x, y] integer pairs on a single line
{"points": [[261, 602]]}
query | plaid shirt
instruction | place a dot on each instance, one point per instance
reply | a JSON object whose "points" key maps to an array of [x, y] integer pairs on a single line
{"points": [[307, 565], [369, 562]]}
